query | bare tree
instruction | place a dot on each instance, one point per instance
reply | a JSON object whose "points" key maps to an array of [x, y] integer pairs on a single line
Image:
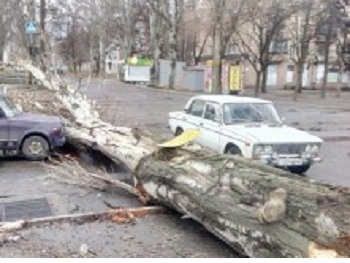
{"points": [[196, 30], [257, 35], [227, 14], [343, 59], [302, 29], [331, 36], [219, 7], [170, 13], [155, 35]]}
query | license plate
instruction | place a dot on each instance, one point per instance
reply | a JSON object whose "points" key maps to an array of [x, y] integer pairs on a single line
{"points": [[290, 162]]}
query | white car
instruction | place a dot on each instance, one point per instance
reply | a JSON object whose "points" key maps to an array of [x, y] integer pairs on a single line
{"points": [[248, 127]]}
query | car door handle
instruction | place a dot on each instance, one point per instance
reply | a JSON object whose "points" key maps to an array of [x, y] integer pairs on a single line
{"points": [[201, 124]]}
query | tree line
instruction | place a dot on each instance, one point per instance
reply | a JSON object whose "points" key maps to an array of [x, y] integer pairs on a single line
{"points": [[84, 31]]}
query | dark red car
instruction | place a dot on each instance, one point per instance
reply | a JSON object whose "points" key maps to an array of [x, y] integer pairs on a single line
{"points": [[32, 136]]}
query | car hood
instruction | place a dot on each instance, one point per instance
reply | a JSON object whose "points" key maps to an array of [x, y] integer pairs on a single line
{"points": [[272, 134], [36, 118]]}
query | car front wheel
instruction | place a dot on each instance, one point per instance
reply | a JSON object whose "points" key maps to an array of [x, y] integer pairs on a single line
{"points": [[299, 169], [35, 148], [233, 150]]}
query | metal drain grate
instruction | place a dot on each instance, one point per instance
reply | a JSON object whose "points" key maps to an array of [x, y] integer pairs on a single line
{"points": [[36, 208]]}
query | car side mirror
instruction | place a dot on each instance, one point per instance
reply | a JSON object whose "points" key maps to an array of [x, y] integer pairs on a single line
{"points": [[186, 110]]}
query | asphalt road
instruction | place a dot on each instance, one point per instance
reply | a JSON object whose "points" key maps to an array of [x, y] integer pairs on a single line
{"points": [[129, 105], [161, 235]]}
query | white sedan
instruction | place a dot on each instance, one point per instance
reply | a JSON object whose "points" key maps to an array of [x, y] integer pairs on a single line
{"points": [[248, 127]]}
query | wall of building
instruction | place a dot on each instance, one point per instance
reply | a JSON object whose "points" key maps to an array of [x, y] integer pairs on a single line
{"points": [[191, 79]]}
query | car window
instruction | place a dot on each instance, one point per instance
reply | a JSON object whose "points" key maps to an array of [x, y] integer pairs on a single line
{"points": [[212, 112], [250, 113], [197, 108], [8, 108]]}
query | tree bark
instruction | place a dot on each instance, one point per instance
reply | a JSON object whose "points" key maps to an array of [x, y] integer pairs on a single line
{"points": [[224, 194], [42, 33], [217, 60], [154, 35], [257, 84], [172, 53], [264, 81], [299, 82], [234, 198], [102, 53], [340, 80], [330, 28]]}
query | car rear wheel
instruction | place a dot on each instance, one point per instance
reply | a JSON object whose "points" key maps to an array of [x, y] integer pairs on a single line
{"points": [[35, 148], [299, 169]]}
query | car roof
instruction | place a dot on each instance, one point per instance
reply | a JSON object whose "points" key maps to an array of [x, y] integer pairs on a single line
{"points": [[223, 99]]}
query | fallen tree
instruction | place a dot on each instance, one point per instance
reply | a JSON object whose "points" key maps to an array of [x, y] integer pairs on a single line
{"points": [[257, 210]]}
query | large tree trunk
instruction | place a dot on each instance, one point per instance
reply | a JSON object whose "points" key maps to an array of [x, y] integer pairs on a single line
{"points": [[328, 36], [257, 210], [225, 194], [257, 84], [217, 60], [42, 34], [299, 82], [172, 53], [264, 81], [340, 80], [154, 33], [102, 55]]}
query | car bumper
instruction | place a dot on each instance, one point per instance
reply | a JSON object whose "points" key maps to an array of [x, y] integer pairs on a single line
{"points": [[289, 162], [58, 142]]}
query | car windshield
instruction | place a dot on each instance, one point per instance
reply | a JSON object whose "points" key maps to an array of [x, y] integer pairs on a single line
{"points": [[8, 107], [239, 113]]}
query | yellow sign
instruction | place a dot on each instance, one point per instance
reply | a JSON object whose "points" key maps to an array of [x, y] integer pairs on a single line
{"points": [[235, 78], [181, 140]]}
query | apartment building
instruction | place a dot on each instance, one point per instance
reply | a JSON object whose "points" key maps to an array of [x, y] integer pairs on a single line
{"points": [[281, 72]]}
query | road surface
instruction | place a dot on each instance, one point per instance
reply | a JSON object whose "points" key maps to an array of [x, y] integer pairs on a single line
{"points": [[129, 105], [165, 235]]}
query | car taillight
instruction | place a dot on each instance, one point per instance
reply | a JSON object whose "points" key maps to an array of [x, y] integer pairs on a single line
{"points": [[56, 131]]}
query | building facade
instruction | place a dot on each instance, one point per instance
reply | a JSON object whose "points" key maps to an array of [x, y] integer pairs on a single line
{"points": [[281, 73]]}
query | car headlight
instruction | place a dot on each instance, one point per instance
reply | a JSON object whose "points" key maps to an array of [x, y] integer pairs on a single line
{"points": [[308, 149], [260, 150], [313, 149]]}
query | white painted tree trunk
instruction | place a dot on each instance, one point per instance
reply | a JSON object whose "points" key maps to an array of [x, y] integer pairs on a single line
{"points": [[154, 35], [172, 54]]}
